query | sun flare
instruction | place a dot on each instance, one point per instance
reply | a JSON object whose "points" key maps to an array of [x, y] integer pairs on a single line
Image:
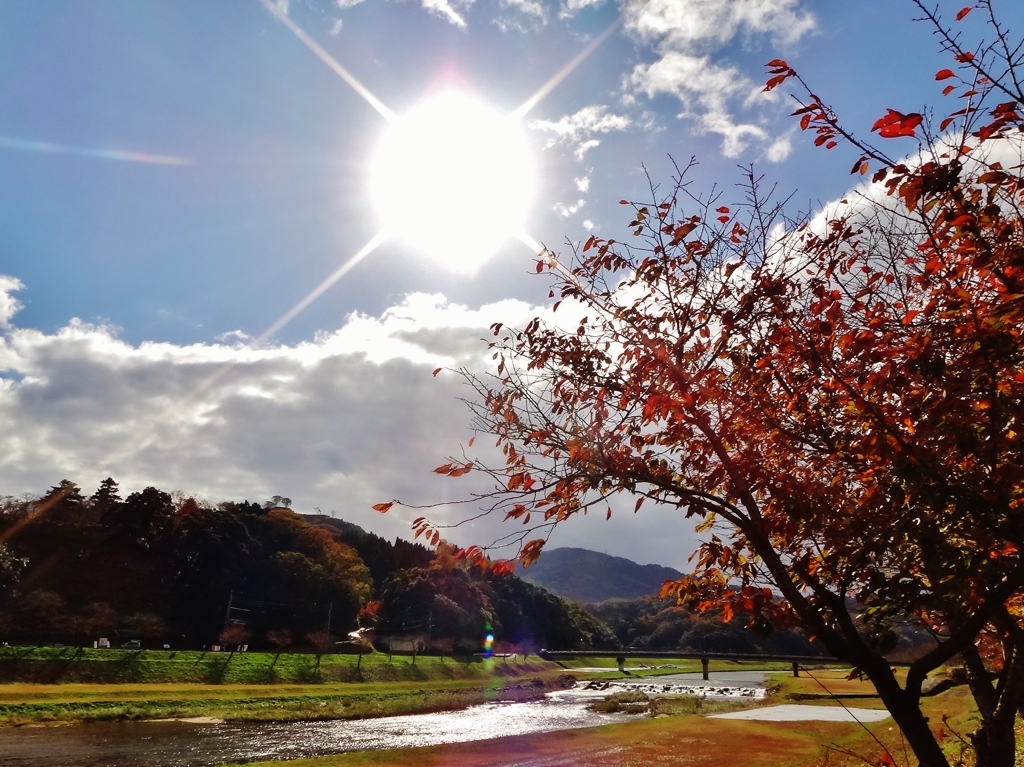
{"points": [[453, 178]]}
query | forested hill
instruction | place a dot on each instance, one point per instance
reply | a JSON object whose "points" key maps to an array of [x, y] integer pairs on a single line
{"points": [[156, 568], [590, 576]]}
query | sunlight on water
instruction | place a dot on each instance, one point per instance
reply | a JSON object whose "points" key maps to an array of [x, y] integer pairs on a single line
{"points": [[181, 744]]}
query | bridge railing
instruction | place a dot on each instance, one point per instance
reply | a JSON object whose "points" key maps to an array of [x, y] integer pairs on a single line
{"points": [[705, 658]]}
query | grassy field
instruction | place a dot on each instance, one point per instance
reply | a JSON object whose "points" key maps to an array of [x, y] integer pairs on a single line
{"points": [[64, 685], [694, 740]]}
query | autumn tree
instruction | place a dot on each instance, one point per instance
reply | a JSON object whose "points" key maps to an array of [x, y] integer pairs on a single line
{"points": [[234, 635], [279, 639], [836, 400]]}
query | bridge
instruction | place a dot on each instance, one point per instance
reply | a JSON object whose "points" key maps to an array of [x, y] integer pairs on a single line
{"points": [[705, 658]]}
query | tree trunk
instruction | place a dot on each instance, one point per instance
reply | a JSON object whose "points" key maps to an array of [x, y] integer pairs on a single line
{"points": [[906, 712], [994, 741], [845, 643]]}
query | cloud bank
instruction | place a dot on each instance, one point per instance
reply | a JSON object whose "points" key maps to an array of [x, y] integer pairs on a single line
{"points": [[352, 418], [690, 38], [333, 423]]}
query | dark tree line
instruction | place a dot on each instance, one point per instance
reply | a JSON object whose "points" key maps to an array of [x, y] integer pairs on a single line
{"points": [[164, 568]]}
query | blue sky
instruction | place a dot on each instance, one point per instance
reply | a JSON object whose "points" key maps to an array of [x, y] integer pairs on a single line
{"points": [[176, 176]]}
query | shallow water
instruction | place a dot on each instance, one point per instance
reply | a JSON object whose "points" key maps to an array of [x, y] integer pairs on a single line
{"points": [[183, 744]]}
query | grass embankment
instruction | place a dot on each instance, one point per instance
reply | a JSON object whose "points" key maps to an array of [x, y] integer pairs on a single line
{"points": [[698, 741], [53, 665], [103, 685]]}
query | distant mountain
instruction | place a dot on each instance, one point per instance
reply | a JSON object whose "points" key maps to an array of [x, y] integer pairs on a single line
{"points": [[590, 576]]}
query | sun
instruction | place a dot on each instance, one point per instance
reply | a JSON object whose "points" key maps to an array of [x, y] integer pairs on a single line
{"points": [[453, 179]]}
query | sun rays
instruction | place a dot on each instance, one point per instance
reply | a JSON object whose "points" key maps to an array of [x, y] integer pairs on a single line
{"points": [[516, 227], [320, 289], [528, 105], [329, 60], [462, 158]]}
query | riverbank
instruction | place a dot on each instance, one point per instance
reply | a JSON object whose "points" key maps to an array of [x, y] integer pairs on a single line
{"points": [[344, 686]]}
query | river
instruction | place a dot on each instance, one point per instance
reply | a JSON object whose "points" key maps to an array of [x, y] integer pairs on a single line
{"points": [[185, 744]]}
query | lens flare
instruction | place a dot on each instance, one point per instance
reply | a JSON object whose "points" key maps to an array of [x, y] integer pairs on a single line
{"points": [[45, 147], [489, 641]]}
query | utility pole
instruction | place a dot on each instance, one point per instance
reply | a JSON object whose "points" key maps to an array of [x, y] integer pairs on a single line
{"points": [[227, 614]]}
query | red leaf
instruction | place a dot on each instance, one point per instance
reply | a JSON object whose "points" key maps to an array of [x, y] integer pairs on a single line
{"points": [[963, 12], [503, 567], [723, 209], [540, 267], [436, 371], [944, 74], [590, 243], [777, 64], [896, 124], [948, 89], [383, 507], [773, 82]]}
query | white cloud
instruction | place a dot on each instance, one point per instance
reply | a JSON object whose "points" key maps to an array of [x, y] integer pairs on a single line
{"points": [[336, 27], [9, 305], [349, 3], [705, 90], [589, 225], [530, 8], [347, 420], [571, 7], [281, 6], [687, 36], [694, 25], [779, 150], [564, 211], [583, 184], [446, 11], [350, 419], [576, 130]]}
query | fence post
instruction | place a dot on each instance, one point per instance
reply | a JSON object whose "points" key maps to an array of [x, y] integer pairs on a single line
{"points": [[704, 662]]}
